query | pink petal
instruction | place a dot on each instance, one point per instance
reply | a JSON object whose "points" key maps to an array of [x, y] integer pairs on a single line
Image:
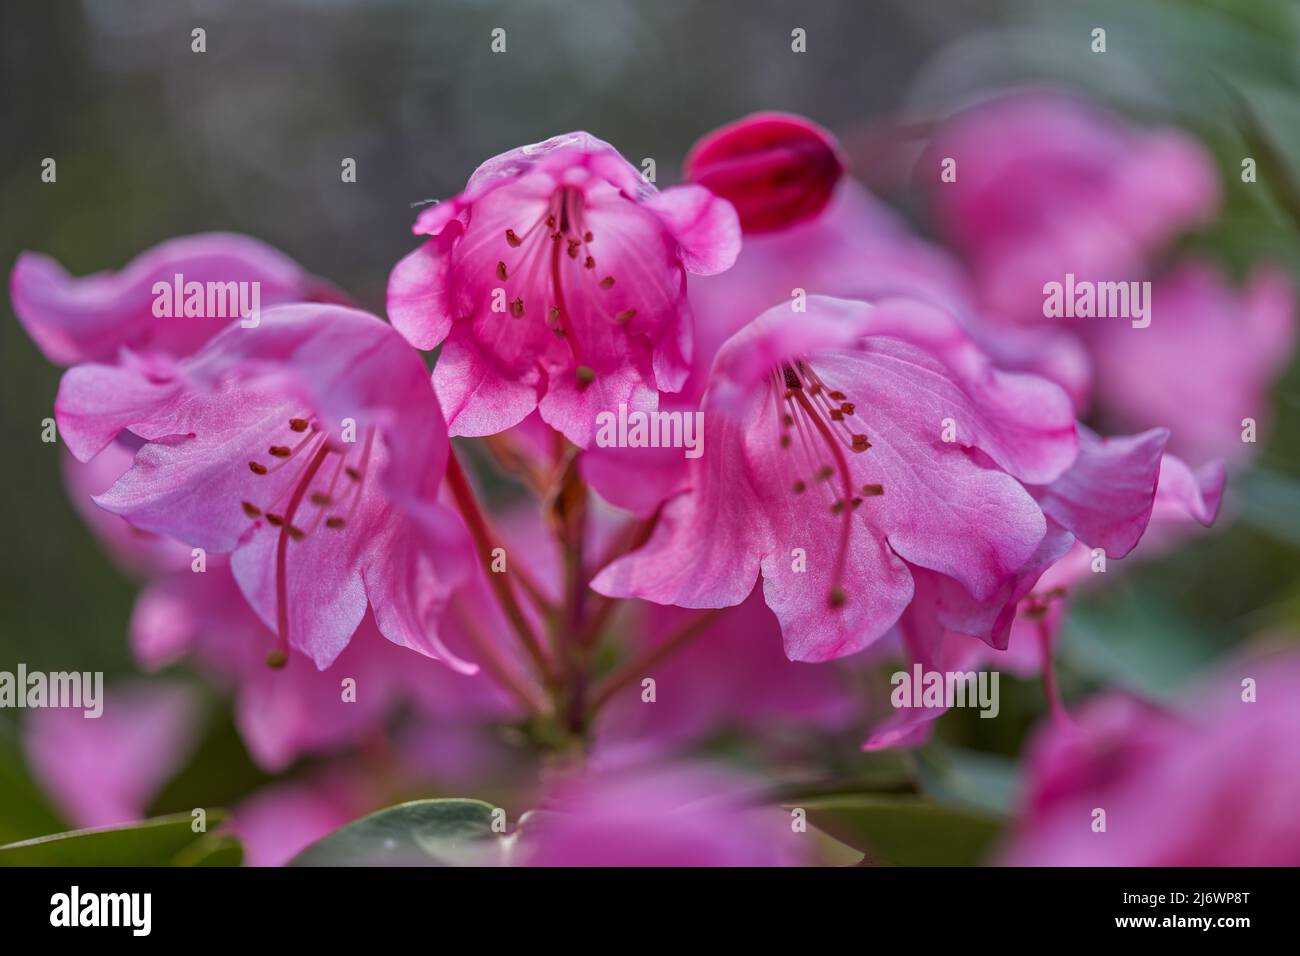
{"points": [[704, 225], [88, 319], [1105, 499]]}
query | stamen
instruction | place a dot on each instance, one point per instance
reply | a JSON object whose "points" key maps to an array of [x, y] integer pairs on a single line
{"points": [[281, 548], [808, 404], [257, 468], [298, 424]]}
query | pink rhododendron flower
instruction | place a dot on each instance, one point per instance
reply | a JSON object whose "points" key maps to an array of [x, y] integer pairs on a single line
{"points": [[1120, 467], [557, 280], [1214, 786], [281, 713], [682, 815], [90, 319], [828, 470], [106, 770], [777, 169], [1236, 343], [1047, 184], [310, 449]]}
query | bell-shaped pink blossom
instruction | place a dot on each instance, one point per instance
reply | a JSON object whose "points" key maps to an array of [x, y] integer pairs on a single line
{"points": [[557, 280], [777, 169], [289, 712], [1213, 783], [89, 319], [844, 446], [1046, 184], [310, 449]]}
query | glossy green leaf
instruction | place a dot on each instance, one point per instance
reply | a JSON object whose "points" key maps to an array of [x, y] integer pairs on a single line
{"points": [[419, 833], [156, 842]]}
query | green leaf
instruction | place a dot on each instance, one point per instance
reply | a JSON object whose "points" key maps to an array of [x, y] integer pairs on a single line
{"points": [[906, 831], [218, 849], [419, 833], [156, 842]]}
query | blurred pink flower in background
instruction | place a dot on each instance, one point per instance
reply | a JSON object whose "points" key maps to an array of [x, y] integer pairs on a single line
{"points": [[90, 319], [557, 281], [1215, 784], [107, 770], [1047, 183], [276, 822], [659, 815], [1206, 362], [731, 675]]}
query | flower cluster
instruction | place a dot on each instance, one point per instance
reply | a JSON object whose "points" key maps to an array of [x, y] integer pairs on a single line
{"points": [[893, 466]]}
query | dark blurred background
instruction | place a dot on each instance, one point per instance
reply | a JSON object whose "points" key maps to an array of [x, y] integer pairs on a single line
{"points": [[153, 140]]}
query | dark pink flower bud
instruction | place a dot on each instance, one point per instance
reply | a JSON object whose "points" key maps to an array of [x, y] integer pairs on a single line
{"points": [[777, 169]]}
